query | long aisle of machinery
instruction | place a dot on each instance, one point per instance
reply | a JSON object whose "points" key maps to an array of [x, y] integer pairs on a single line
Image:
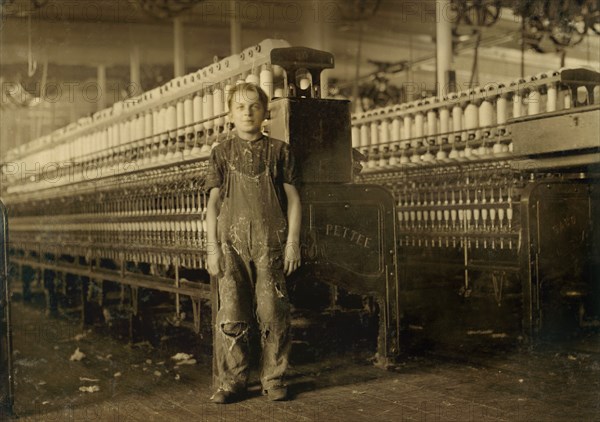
{"points": [[491, 222], [118, 196], [114, 205]]}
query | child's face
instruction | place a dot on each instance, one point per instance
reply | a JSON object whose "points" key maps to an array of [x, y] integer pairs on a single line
{"points": [[247, 113]]}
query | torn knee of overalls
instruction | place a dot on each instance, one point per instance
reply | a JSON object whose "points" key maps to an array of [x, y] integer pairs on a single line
{"points": [[234, 332], [234, 329]]}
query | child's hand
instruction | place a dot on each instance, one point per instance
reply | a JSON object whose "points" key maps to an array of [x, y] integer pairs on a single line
{"points": [[215, 261], [291, 257]]}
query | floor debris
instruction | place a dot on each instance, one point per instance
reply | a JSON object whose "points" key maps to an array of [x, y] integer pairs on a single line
{"points": [[89, 389], [77, 355], [186, 362], [79, 337], [181, 356], [29, 363], [330, 387]]}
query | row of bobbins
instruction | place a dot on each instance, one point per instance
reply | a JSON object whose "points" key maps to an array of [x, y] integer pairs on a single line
{"points": [[468, 124], [130, 237], [178, 120], [170, 132], [447, 212]]}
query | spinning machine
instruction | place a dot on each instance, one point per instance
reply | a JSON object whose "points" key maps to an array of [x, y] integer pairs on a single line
{"points": [[112, 206], [497, 202], [490, 231]]}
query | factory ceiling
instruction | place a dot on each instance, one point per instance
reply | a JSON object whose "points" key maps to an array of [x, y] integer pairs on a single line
{"points": [[66, 40], [88, 33]]}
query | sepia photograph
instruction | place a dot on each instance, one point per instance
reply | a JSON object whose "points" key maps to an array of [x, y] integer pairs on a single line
{"points": [[300, 210]]}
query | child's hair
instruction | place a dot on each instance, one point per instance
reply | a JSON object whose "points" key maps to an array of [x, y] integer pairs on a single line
{"points": [[246, 88]]}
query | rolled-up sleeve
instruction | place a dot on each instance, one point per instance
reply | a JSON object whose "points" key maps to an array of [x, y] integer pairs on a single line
{"points": [[289, 169], [214, 172]]}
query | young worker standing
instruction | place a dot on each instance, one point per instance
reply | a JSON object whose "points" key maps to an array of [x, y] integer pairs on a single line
{"points": [[253, 235]]}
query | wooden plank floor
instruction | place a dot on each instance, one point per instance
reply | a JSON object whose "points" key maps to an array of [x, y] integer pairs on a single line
{"points": [[142, 383]]}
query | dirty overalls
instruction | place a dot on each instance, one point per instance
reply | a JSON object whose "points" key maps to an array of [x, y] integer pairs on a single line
{"points": [[251, 229]]}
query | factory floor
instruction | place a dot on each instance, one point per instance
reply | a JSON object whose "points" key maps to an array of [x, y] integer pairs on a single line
{"points": [[118, 381]]}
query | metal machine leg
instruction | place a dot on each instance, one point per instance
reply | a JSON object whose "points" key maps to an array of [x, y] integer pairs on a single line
{"points": [[6, 374]]}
